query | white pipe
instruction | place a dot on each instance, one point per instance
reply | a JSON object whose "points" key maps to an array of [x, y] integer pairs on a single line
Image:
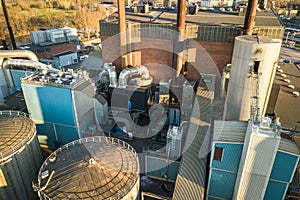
{"points": [[27, 63], [124, 75], [142, 70], [8, 54], [112, 74], [18, 54]]}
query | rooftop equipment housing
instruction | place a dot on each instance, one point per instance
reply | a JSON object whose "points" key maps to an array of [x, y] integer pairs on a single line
{"points": [[60, 103], [20, 156], [90, 168]]}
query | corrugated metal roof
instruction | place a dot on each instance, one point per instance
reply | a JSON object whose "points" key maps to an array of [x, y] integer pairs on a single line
{"points": [[191, 179], [229, 131], [234, 131], [288, 146]]}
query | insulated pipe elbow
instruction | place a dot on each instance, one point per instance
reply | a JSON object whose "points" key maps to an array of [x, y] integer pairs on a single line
{"points": [[26, 63], [144, 72], [124, 75], [112, 74], [18, 54]]}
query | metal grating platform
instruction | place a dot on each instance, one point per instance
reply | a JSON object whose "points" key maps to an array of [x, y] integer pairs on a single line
{"points": [[16, 130]]}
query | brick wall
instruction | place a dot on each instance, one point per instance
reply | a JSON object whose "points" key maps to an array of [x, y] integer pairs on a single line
{"points": [[49, 51], [209, 57]]}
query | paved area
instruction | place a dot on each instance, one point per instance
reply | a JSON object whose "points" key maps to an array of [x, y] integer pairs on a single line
{"points": [[288, 53]]}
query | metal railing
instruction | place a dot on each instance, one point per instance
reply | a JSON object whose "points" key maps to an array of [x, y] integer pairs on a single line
{"points": [[103, 139], [6, 154]]}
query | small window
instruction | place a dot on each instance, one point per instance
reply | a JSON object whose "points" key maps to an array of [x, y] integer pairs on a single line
{"points": [[256, 66], [218, 153]]}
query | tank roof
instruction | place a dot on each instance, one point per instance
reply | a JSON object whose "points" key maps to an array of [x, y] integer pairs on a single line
{"points": [[257, 39], [90, 168], [16, 131]]}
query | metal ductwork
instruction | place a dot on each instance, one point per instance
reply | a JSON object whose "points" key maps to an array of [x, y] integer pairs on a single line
{"points": [[112, 74], [8, 54], [18, 54], [25, 63], [145, 79], [125, 73]]}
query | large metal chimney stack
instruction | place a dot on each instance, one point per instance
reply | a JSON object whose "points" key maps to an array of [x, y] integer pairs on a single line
{"points": [[250, 17], [181, 35], [122, 27], [178, 48]]}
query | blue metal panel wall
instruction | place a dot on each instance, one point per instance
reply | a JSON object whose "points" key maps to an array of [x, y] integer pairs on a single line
{"points": [[231, 157], [212, 198], [173, 170], [17, 75], [275, 190], [221, 184], [66, 134], [46, 134], [283, 167], [157, 167], [50, 104]]}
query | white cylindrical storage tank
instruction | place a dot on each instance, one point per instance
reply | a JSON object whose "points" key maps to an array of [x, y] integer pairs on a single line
{"points": [[90, 168], [20, 156], [254, 62]]}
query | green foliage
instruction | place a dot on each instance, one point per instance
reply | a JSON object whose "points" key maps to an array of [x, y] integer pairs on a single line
{"points": [[26, 16]]}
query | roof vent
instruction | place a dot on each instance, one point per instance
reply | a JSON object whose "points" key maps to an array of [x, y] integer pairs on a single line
{"points": [[296, 93]]}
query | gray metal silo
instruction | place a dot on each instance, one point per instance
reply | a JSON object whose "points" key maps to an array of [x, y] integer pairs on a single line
{"points": [[90, 168], [20, 156]]}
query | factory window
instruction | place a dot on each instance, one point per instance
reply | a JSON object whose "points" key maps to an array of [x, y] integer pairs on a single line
{"points": [[218, 153], [255, 67]]}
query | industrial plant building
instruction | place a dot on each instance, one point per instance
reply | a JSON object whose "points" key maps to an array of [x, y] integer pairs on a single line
{"points": [[213, 31], [61, 44], [60, 103], [189, 99]]}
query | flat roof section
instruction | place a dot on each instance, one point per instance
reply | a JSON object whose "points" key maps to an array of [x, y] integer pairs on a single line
{"points": [[263, 18], [283, 103]]}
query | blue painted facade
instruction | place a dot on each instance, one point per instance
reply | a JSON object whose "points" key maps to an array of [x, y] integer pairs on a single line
{"points": [[275, 190], [282, 173], [17, 75], [52, 110], [284, 166], [223, 173]]}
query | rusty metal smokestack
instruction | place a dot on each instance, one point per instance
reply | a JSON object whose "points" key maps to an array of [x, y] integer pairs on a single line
{"points": [[178, 48], [250, 17], [122, 27], [181, 35]]}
